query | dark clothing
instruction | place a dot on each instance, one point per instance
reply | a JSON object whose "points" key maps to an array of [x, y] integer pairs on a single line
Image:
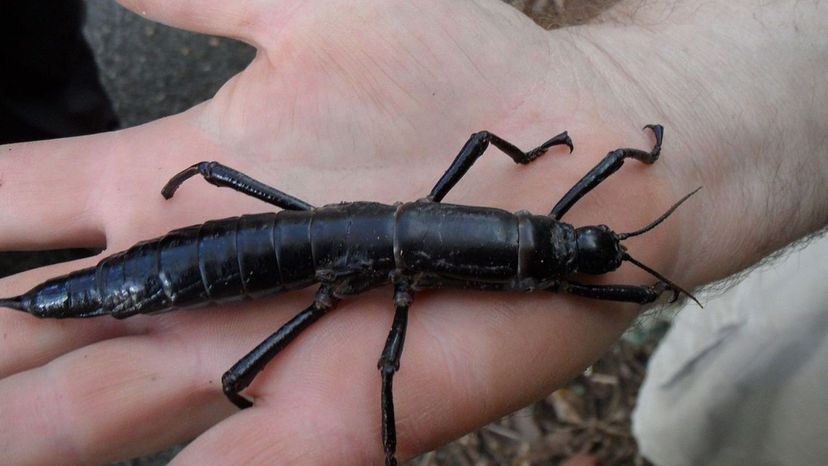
{"points": [[49, 85]]}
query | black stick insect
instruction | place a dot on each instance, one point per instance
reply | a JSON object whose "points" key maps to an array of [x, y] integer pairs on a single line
{"points": [[349, 248]]}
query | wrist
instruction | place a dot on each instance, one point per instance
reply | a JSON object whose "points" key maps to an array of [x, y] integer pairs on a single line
{"points": [[744, 118]]}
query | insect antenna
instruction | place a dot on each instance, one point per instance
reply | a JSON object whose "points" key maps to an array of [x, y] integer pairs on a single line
{"points": [[676, 289], [623, 236]]}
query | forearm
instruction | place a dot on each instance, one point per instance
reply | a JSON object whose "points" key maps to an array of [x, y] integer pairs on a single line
{"points": [[741, 91]]}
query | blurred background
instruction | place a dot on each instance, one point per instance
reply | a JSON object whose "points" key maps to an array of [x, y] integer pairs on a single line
{"points": [[147, 71]]}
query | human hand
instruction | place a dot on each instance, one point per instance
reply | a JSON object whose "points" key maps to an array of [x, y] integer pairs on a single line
{"points": [[341, 103]]}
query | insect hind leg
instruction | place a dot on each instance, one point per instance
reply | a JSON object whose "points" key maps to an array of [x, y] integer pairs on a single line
{"points": [[223, 176]]}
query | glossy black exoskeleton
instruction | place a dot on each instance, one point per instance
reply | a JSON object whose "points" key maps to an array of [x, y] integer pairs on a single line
{"points": [[349, 248]]}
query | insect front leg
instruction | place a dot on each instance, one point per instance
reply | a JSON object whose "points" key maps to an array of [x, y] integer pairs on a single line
{"points": [[641, 294], [389, 364], [223, 176], [243, 372], [474, 148], [606, 167]]}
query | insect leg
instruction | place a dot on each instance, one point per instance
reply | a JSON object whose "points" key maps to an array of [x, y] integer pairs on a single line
{"points": [[474, 148], [222, 176], [388, 364], [606, 167], [641, 294], [243, 372]]}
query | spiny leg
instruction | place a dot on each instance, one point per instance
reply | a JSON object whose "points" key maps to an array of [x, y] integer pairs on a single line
{"points": [[609, 165], [243, 372], [641, 294], [222, 176], [474, 148], [389, 363]]}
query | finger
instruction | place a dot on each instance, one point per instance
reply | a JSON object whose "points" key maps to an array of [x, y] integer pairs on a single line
{"points": [[128, 197], [309, 435], [109, 401], [47, 201], [27, 342], [99, 190], [215, 17]]}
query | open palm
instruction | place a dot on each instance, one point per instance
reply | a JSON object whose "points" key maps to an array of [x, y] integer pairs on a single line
{"points": [[356, 100]]}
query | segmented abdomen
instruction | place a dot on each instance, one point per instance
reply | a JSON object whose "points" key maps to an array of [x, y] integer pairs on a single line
{"points": [[224, 260], [221, 260]]}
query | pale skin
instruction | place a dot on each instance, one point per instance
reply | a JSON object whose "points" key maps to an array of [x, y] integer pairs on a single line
{"points": [[370, 100]]}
